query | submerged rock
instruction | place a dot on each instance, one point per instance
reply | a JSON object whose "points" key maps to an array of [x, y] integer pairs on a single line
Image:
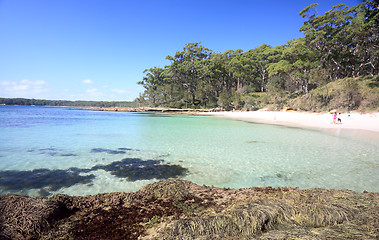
{"points": [[178, 209]]}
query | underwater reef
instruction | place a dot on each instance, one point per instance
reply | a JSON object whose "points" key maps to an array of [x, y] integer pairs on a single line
{"points": [[179, 209]]}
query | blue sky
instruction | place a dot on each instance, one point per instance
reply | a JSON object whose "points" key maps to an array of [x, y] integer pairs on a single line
{"points": [[98, 49]]}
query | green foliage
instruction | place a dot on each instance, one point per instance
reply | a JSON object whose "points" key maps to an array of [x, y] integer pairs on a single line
{"points": [[254, 101], [342, 43], [344, 94], [224, 100], [187, 68], [153, 221], [345, 39]]}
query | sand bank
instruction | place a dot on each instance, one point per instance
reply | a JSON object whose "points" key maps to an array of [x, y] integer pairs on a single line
{"points": [[321, 121]]}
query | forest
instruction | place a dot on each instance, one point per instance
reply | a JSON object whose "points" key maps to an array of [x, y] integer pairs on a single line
{"points": [[42, 102], [335, 65]]}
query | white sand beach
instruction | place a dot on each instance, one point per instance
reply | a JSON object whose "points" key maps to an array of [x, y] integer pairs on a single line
{"points": [[321, 121]]}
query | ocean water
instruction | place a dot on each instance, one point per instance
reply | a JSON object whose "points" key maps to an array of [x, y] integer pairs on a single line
{"points": [[48, 150]]}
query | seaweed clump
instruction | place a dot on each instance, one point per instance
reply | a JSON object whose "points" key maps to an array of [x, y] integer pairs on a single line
{"points": [[178, 209], [23, 217]]}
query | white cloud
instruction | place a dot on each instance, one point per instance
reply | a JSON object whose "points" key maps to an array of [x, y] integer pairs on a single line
{"points": [[24, 88], [87, 81]]}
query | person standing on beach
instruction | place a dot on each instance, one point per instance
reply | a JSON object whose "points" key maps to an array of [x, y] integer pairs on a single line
{"points": [[335, 118]]}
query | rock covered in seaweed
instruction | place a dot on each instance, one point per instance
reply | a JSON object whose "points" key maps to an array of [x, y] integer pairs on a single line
{"points": [[178, 209]]}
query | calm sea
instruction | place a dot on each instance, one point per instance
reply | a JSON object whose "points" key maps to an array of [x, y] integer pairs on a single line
{"points": [[47, 150]]}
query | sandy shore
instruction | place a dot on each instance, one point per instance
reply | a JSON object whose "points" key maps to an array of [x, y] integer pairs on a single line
{"points": [[320, 121], [365, 124]]}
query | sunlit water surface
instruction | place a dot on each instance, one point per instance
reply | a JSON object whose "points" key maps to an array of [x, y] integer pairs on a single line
{"points": [[47, 150]]}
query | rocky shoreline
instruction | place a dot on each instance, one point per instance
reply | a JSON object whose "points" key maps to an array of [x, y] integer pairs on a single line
{"points": [[178, 209]]}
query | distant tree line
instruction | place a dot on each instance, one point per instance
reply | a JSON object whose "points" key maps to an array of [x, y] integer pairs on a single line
{"points": [[42, 102], [343, 42]]}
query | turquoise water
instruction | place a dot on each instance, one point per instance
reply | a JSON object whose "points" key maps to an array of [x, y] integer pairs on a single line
{"points": [[47, 150]]}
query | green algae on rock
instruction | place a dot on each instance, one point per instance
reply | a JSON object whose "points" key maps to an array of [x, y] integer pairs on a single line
{"points": [[178, 209]]}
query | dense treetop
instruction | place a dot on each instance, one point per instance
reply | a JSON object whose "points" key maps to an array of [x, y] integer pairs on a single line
{"points": [[342, 43]]}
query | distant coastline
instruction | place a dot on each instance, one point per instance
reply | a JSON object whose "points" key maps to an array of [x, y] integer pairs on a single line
{"points": [[64, 103], [147, 109]]}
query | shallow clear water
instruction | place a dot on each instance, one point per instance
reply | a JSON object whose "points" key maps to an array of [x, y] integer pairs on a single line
{"points": [[46, 150]]}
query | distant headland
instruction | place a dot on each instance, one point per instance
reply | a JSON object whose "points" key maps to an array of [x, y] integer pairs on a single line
{"points": [[64, 103]]}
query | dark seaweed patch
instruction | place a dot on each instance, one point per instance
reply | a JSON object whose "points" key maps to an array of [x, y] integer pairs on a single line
{"points": [[252, 142], [109, 151], [52, 151], [52, 180], [125, 149], [46, 180], [281, 175], [79, 170], [48, 149], [134, 169], [68, 155]]}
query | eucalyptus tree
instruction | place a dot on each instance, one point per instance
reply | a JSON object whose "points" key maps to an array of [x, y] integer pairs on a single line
{"points": [[155, 82], [239, 72], [215, 80], [327, 35], [296, 62], [365, 30], [187, 67], [237, 67], [219, 74], [346, 39], [259, 58], [233, 71]]}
